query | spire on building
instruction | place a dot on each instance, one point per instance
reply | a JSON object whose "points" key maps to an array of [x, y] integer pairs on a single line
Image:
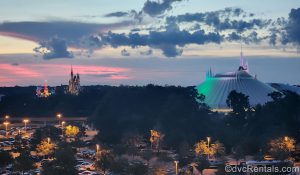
{"points": [[243, 64], [74, 83]]}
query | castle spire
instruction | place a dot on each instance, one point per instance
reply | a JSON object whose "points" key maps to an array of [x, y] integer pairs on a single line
{"points": [[72, 71]]}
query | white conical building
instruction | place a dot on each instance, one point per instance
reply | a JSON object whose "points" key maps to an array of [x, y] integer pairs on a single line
{"points": [[216, 88]]}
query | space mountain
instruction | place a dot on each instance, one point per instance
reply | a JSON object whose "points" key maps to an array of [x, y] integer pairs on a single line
{"points": [[217, 87]]}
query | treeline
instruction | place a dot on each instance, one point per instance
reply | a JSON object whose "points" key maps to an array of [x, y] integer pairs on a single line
{"points": [[128, 110]]}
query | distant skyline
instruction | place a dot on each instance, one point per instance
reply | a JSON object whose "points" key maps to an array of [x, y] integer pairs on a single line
{"points": [[138, 42]]}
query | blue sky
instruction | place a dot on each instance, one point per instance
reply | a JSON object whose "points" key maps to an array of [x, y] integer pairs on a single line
{"points": [[37, 33]]}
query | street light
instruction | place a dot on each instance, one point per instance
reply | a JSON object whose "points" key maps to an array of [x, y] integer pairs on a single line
{"points": [[176, 167], [48, 140], [59, 117], [208, 141], [6, 124], [286, 138], [62, 127], [97, 148], [25, 123], [97, 151], [7, 117]]}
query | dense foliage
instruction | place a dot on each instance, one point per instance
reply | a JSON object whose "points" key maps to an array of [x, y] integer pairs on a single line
{"points": [[126, 110]]}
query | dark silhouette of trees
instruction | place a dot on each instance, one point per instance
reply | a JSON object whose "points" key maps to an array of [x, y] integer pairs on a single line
{"points": [[64, 162], [238, 102], [5, 158], [24, 162], [180, 113], [104, 162]]}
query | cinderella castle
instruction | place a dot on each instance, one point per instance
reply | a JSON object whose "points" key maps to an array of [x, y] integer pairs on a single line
{"points": [[74, 84]]}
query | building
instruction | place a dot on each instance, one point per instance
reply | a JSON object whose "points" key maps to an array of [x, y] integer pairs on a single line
{"points": [[44, 91], [74, 84], [216, 88]]}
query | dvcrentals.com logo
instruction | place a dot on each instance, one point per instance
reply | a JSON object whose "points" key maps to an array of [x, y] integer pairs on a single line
{"points": [[261, 169]]}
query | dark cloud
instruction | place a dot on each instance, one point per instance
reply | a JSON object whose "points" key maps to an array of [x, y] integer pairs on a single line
{"points": [[220, 20], [272, 40], [293, 26], [240, 25], [208, 17], [70, 31], [170, 50], [234, 36], [117, 14], [155, 8], [146, 53], [54, 48], [253, 38], [125, 53], [167, 40], [15, 64]]}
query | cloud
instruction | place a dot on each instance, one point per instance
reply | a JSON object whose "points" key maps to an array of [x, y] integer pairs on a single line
{"points": [[293, 26], [125, 53], [234, 36], [272, 40], [170, 50], [54, 48], [117, 14], [167, 40], [209, 17], [152, 8], [72, 32], [147, 53], [220, 20], [155, 8]]}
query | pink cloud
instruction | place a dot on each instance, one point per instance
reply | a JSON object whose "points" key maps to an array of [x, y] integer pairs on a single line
{"points": [[35, 74], [18, 70]]}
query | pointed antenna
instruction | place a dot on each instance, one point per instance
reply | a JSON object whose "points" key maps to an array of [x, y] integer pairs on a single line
{"points": [[241, 57]]}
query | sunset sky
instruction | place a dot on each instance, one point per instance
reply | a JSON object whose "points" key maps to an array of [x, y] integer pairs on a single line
{"points": [[137, 42]]}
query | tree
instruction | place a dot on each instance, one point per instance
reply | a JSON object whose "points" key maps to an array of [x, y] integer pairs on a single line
{"points": [[46, 147], [201, 148], [281, 148], [64, 162], [19, 144], [24, 162], [5, 158], [104, 162], [72, 131], [217, 149], [276, 96], [45, 132], [238, 102]]}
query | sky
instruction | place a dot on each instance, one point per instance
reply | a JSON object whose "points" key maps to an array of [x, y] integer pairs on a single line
{"points": [[137, 42]]}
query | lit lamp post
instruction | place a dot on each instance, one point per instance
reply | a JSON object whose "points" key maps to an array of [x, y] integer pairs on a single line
{"points": [[97, 151], [7, 117], [62, 127], [25, 124], [6, 125], [48, 140], [59, 117], [208, 141], [176, 167]]}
